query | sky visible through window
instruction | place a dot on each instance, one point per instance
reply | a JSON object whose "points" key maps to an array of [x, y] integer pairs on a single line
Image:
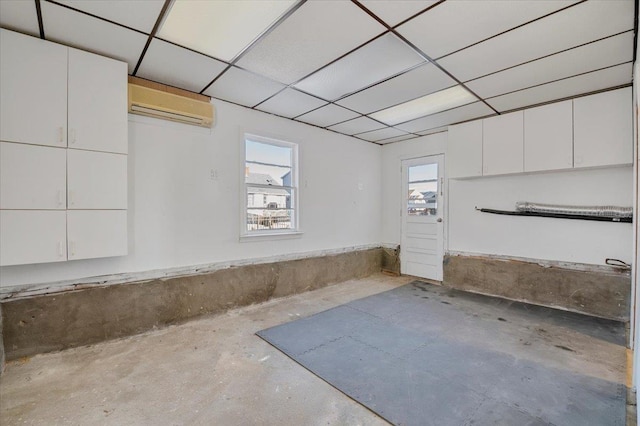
{"points": [[267, 153]]}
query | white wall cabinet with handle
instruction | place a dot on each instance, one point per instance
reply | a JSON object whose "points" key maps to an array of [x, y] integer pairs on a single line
{"points": [[603, 129], [31, 66], [32, 177], [464, 150], [97, 93], [503, 144], [32, 236], [97, 180], [96, 233], [548, 137]]}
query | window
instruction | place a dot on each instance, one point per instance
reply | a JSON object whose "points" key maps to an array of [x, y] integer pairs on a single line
{"points": [[423, 190], [270, 184]]}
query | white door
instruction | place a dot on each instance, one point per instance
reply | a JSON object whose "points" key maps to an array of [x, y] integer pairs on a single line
{"points": [[96, 233], [32, 236], [96, 180], [422, 245]]}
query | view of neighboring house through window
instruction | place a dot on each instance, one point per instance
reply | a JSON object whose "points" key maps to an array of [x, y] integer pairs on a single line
{"points": [[423, 190], [270, 185]]}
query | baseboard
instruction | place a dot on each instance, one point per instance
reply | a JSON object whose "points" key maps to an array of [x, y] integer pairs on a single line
{"points": [[50, 322]]}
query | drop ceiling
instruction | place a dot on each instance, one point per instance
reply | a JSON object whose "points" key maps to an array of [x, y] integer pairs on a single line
{"points": [[340, 64]]}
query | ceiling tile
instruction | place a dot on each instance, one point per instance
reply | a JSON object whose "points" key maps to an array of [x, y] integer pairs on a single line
{"points": [[444, 118], [357, 125], [611, 51], [138, 14], [577, 25], [454, 25], [242, 87], [314, 35], [378, 60], [75, 29], [290, 103], [377, 135], [19, 15], [221, 28], [413, 84], [593, 81], [176, 66], [397, 139], [327, 115], [394, 12]]}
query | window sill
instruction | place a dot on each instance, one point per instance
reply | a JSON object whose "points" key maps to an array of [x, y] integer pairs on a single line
{"points": [[271, 236]]}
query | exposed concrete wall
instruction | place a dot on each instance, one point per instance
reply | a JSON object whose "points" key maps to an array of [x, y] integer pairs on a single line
{"points": [[595, 292], [2, 357], [391, 259], [58, 321]]}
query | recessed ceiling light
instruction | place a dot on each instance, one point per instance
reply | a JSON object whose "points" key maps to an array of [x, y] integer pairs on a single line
{"points": [[426, 105], [221, 28]]}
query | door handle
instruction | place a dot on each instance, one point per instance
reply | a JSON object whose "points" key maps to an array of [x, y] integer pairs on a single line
{"points": [[439, 219]]}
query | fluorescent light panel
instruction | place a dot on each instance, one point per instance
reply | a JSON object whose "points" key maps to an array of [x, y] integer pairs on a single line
{"points": [[429, 104], [220, 28]]}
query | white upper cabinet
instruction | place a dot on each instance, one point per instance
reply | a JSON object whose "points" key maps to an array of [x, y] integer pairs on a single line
{"points": [[464, 150], [33, 90], [97, 103], [548, 137], [32, 177], [603, 129], [97, 180], [32, 236], [503, 144]]}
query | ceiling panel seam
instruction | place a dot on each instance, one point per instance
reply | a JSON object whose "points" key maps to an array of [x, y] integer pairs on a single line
{"points": [[39, 15], [156, 26]]}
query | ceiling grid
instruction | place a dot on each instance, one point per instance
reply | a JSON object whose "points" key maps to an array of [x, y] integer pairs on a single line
{"points": [[355, 67]]}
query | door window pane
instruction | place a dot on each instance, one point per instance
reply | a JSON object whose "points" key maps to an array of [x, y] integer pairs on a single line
{"points": [[423, 190]]}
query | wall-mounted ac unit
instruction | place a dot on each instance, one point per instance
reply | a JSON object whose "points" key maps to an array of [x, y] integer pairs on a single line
{"points": [[169, 106]]}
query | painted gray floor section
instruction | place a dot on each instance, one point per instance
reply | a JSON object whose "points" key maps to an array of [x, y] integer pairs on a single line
{"points": [[424, 355]]}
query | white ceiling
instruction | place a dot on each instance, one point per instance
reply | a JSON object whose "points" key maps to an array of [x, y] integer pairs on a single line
{"points": [[331, 64]]}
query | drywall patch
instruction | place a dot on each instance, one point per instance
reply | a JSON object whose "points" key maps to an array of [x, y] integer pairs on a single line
{"points": [[601, 293], [46, 323]]}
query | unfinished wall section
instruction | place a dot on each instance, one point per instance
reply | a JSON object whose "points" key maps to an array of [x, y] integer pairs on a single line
{"points": [[46, 323], [601, 292]]}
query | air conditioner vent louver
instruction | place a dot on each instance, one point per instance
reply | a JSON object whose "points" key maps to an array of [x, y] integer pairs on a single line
{"points": [[169, 106]]}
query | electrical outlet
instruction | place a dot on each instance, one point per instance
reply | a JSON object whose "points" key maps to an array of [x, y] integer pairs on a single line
{"points": [[213, 174]]}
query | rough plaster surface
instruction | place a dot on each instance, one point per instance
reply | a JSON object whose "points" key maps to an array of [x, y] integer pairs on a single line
{"points": [[58, 321], [599, 294]]}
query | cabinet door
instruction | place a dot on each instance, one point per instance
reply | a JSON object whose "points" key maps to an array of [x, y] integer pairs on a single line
{"points": [[548, 137], [464, 150], [33, 90], [603, 129], [97, 180], [32, 236], [96, 233], [503, 144], [32, 177], [97, 103]]}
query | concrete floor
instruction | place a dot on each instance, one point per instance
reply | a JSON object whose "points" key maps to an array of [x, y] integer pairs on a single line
{"points": [[215, 371]]}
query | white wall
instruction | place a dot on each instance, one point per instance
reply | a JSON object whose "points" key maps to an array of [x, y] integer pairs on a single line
{"points": [[577, 241], [392, 156], [179, 216]]}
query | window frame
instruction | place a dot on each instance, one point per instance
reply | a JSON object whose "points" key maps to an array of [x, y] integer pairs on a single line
{"points": [[295, 229]]}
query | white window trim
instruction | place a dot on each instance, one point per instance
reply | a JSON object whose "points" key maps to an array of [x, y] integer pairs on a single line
{"points": [[272, 234]]}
